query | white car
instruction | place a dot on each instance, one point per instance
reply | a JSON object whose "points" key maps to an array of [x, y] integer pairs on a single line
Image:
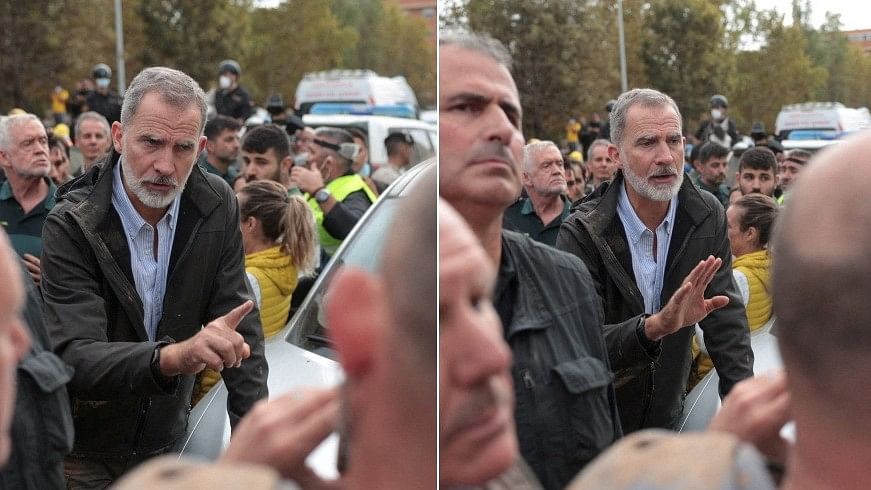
{"points": [[301, 355], [704, 400]]}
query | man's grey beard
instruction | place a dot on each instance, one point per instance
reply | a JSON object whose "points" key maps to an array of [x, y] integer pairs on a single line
{"points": [[152, 199], [655, 193]]}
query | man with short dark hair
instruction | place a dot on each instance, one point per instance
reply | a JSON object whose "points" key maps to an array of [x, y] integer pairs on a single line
{"points": [[789, 169], [540, 214], [336, 194], [266, 154], [756, 171], [144, 285], [658, 251], [544, 298], [710, 172], [399, 151], [222, 147], [27, 194]]}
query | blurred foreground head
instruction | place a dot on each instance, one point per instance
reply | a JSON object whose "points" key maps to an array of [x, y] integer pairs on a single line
{"points": [[822, 286], [477, 440], [384, 329], [14, 339]]}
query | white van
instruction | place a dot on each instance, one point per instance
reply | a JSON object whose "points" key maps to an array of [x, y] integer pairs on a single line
{"points": [[351, 86], [819, 121]]}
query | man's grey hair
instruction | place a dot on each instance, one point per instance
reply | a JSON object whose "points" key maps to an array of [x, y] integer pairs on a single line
{"points": [[531, 150], [347, 148], [175, 88], [477, 42], [647, 97], [595, 144], [91, 116], [8, 123]]}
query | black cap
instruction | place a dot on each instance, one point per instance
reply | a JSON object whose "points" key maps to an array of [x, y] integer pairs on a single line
{"points": [[757, 128], [397, 138], [719, 101]]}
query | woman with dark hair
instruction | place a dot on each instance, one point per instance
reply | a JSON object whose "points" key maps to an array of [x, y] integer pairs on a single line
{"points": [[278, 234], [750, 222]]}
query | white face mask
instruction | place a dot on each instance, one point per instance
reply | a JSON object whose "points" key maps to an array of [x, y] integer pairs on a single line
{"points": [[716, 114], [224, 81], [103, 82]]}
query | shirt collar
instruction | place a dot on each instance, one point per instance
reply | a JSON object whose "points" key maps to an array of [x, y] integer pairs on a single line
{"points": [[127, 210], [632, 223], [6, 193], [528, 209]]}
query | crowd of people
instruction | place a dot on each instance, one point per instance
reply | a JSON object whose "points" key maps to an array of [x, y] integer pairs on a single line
{"points": [[575, 321], [581, 293], [160, 262]]}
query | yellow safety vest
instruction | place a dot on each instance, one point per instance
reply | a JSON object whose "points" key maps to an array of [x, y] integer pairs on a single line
{"points": [[340, 189]]}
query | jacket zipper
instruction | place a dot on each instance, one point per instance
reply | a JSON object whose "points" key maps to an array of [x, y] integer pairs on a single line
{"points": [[143, 417]]}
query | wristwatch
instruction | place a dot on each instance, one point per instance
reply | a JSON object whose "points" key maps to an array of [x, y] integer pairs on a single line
{"points": [[322, 195]]}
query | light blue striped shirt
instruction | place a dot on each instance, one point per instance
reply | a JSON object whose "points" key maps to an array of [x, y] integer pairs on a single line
{"points": [[649, 270], [149, 272]]}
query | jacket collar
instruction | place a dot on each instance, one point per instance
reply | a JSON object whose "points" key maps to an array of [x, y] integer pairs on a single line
{"points": [[600, 210]]}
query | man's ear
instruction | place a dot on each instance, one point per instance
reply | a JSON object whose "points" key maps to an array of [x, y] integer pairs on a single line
{"points": [[285, 165], [117, 135], [356, 318], [202, 145], [614, 153]]}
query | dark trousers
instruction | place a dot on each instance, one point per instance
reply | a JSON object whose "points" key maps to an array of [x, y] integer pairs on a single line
{"points": [[98, 473]]}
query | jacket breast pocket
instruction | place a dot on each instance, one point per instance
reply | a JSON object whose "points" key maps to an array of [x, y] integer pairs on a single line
{"points": [[43, 377], [584, 391]]}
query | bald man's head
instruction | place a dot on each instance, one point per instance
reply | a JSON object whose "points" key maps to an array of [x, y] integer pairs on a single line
{"points": [[822, 278], [409, 268]]}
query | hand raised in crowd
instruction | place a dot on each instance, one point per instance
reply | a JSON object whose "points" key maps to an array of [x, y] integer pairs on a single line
{"points": [[755, 411], [34, 268], [688, 304], [281, 433], [216, 346], [307, 179]]}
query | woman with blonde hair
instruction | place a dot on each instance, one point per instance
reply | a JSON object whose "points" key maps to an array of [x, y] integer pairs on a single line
{"points": [[278, 234], [750, 222]]}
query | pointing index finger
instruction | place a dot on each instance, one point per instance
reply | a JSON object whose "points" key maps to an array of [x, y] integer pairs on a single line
{"points": [[234, 316]]}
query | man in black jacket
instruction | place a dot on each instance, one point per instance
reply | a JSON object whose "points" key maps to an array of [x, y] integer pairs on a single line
{"points": [[565, 408], [144, 284], [41, 433], [655, 247]]}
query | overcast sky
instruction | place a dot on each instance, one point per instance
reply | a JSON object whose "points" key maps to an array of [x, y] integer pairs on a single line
{"points": [[855, 14]]}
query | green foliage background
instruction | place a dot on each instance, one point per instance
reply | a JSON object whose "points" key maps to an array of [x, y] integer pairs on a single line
{"points": [[44, 43], [567, 60]]}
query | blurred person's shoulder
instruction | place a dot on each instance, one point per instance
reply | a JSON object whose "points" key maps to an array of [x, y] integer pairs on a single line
{"points": [[172, 472], [658, 459]]}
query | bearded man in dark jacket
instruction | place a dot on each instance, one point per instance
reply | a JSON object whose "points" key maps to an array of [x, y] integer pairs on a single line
{"points": [[144, 285], [658, 251]]}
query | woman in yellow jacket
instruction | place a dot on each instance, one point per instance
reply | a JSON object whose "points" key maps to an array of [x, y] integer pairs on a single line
{"points": [[750, 221], [278, 234]]}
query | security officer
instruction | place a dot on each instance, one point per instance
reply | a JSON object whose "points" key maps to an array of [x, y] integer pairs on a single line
{"points": [[231, 99], [103, 99], [337, 195]]}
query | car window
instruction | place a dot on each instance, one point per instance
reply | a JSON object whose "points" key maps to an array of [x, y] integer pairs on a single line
{"points": [[364, 251]]}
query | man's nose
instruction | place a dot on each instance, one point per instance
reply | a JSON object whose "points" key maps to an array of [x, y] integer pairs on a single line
{"points": [[485, 355], [499, 125]]}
